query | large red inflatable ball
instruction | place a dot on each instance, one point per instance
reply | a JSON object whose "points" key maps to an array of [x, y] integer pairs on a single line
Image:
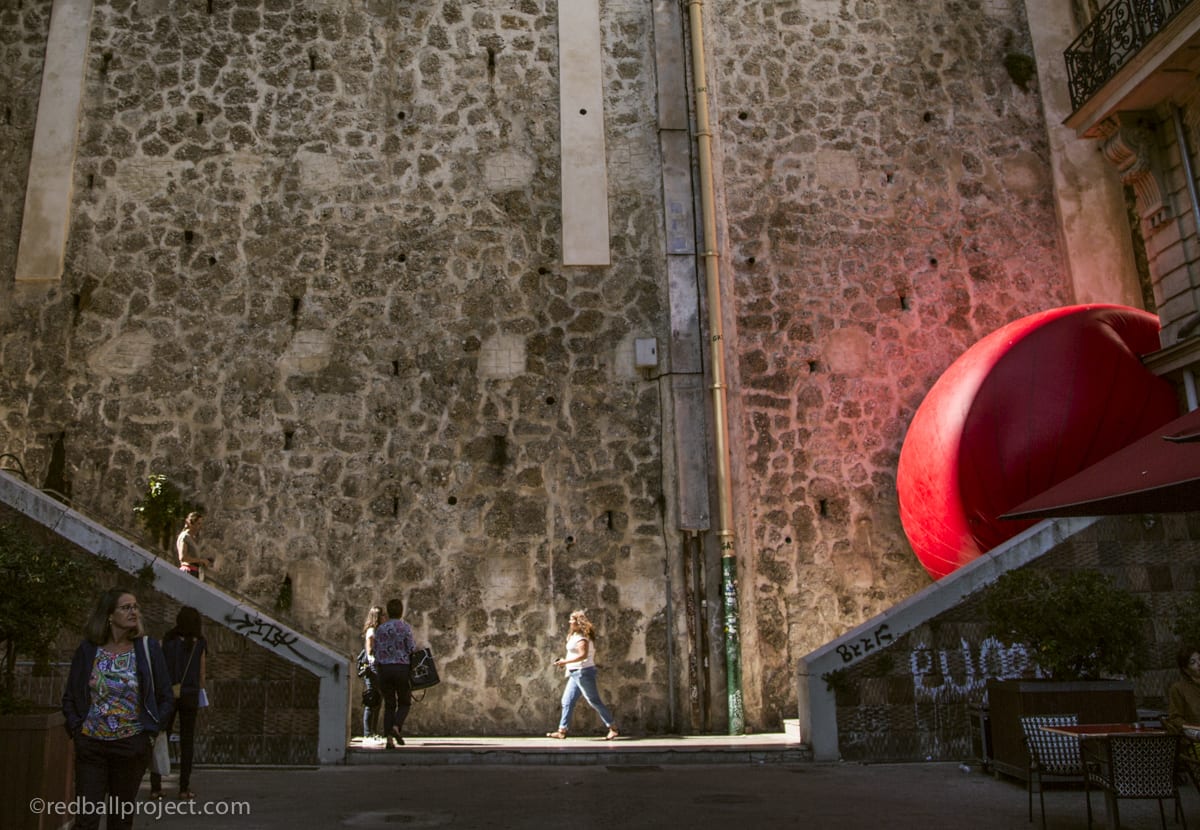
{"points": [[1026, 407]]}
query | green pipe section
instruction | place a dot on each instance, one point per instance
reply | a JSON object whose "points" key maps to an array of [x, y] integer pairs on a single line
{"points": [[733, 646]]}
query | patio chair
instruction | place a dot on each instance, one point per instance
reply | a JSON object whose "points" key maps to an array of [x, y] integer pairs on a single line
{"points": [[1050, 756], [1189, 757], [1137, 766]]}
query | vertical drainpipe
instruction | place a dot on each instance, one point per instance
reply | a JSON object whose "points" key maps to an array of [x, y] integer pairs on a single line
{"points": [[712, 274]]}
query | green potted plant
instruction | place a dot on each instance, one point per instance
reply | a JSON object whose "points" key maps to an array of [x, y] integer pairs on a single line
{"points": [[162, 510], [46, 589], [1086, 636]]}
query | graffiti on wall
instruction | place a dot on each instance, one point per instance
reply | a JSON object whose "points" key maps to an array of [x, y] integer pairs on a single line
{"points": [[853, 650], [960, 672]]}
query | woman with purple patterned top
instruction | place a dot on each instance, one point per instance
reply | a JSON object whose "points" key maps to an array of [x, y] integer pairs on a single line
{"points": [[394, 646]]}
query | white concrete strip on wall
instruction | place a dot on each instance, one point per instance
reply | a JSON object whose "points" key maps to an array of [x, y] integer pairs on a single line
{"points": [[331, 668], [51, 166], [581, 135], [818, 708]]}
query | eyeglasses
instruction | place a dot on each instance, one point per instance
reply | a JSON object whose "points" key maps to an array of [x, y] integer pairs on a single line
{"points": [[129, 606]]}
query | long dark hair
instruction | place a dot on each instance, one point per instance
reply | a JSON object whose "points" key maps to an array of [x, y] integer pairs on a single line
{"points": [[1184, 656], [97, 630], [187, 625]]}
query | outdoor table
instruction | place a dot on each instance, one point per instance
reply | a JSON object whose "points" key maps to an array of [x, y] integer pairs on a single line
{"points": [[1092, 739]]}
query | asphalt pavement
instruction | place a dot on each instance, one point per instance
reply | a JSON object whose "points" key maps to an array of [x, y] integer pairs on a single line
{"points": [[744, 783], [741, 796]]}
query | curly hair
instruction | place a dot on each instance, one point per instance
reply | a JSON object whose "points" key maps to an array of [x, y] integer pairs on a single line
{"points": [[581, 623]]}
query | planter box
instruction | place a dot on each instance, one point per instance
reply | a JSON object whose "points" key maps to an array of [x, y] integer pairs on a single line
{"points": [[38, 761], [1094, 701]]}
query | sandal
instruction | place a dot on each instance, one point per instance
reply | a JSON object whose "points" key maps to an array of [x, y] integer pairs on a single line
{"points": [[613, 734], [156, 795], [187, 795], [558, 734]]}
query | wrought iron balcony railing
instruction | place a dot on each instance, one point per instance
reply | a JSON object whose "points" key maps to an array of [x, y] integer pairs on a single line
{"points": [[1120, 31]]}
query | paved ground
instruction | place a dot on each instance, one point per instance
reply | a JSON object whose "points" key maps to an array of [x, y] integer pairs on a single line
{"points": [[847, 797], [744, 783], [591, 784]]}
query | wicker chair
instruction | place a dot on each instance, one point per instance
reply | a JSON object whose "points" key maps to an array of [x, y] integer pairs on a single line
{"points": [[1050, 756], [1137, 766]]}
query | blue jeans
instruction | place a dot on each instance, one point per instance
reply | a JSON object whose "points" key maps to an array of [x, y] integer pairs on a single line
{"points": [[582, 682]]}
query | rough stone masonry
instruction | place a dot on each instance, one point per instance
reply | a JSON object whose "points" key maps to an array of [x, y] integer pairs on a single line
{"points": [[313, 276]]}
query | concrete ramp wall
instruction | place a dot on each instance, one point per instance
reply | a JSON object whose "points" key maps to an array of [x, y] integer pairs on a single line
{"points": [[821, 670]]}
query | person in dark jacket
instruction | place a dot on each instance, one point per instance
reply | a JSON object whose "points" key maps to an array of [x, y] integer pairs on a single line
{"points": [[186, 651], [118, 697]]}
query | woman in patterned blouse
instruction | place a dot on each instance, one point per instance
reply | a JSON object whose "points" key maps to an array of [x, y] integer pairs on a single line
{"points": [[118, 698], [394, 646]]}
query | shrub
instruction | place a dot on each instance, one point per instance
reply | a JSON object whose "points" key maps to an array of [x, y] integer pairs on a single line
{"points": [[45, 589], [1076, 624]]}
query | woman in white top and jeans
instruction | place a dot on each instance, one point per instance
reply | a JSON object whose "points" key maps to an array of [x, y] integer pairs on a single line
{"points": [[580, 664]]}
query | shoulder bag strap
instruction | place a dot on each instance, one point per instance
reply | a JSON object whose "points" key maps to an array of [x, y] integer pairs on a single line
{"points": [[150, 670], [183, 676]]}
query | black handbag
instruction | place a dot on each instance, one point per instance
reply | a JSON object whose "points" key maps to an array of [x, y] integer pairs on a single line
{"points": [[422, 670]]}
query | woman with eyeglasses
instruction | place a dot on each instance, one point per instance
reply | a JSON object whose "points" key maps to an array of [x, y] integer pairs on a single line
{"points": [[118, 697]]}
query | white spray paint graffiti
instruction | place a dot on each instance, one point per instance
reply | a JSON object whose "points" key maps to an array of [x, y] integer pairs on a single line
{"points": [[958, 673]]}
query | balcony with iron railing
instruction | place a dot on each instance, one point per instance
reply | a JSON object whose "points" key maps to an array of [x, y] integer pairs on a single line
{"points": [[1119, 33]]}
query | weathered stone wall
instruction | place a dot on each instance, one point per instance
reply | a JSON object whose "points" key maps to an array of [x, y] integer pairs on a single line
{"points": [[313, 276], [888, 203]]}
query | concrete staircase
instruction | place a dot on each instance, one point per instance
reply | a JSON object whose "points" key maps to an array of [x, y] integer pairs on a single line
{"points": [[237, 614]]}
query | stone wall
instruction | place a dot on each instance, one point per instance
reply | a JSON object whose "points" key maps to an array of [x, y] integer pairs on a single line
{"points": [[314, 277], [888, 203]]}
